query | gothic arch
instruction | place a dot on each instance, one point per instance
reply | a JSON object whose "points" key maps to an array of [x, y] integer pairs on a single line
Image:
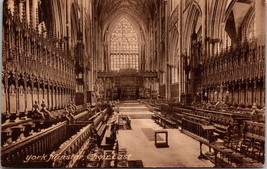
{"points": [[229, 9], [173, 43], [134, 20], [74, 21], [241, 20], [109, 29], [124, 45], [194, 14]]}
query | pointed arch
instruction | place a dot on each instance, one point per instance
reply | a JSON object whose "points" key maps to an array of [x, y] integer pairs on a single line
{"points": [[124, 46], [112, 25], [194, 14], [74, 21]]}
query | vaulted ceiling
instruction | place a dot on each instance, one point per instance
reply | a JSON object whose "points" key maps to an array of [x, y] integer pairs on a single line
{"points": [[139, 10], [239, 11]]}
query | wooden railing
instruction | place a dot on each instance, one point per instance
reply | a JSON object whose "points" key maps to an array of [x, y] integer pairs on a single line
{"points": [[254, 130], [14, 155], [74, 148], [246, 152], [164, 122], [196, 117], [200, 127], [34, 137]]}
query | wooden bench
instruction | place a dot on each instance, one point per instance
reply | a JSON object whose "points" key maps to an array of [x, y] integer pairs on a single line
{"points": [[224, 157], [107, 140], [76, 145], [221, 129], [18, 150], [164, 122], [100, 129]]}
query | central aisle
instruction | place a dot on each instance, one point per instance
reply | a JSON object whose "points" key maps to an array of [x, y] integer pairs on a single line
{"points": [[182, 152], [135, 110]]}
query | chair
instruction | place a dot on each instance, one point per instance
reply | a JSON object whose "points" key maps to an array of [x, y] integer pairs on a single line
{"points": [[226, 141], [246, 146], [235, 144], [257, 151]]}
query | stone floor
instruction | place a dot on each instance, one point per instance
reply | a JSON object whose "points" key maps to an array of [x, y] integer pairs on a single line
{"points": [[135, 110], [182, 151]]}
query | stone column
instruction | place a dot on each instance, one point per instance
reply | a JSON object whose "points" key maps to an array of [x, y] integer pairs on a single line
{"points": [[254, 97], [48, 97], [17, 93], [21, 3], [34, 12], [247, 93], [180, 64], [263, 93], [6, 93], [26, 92], [27, 11], [260, 22]]}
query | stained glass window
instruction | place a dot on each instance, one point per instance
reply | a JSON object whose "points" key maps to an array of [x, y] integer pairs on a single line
{"points": [[124, 47]]}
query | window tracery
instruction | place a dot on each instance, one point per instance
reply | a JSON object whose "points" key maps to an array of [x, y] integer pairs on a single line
{"points": [[124, 47]]}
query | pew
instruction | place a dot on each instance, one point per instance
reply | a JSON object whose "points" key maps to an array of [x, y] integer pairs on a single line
{"points": [[82, 116], [28, 128], [247, 151], [177, 118], [115, 158], [99, 122], [164, 107], [164, 122], [224, 157], [6, 137], [254, 135], [45, 141], [35, 137], [108, 139], [220, 120], [11, 124], [74, 148]]}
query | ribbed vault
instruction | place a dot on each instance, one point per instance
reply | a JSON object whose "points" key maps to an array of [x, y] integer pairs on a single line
{"points": [[141, 11]]}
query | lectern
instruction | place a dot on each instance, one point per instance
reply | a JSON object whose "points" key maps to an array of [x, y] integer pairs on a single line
{"points": [[159, 141]]}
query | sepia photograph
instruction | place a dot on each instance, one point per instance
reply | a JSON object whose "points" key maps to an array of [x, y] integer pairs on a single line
{"points": [[133, 83]]}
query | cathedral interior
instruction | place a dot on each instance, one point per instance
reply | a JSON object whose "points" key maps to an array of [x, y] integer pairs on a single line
{"points": [[133, 83]]}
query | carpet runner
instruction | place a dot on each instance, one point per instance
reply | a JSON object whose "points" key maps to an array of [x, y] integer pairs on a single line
{"points": [[150, 134]]}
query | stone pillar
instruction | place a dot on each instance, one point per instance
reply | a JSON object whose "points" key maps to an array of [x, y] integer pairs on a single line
{"points": [[25, 97], [27, 11], [204, 32], [221, 93], [180, 30], [263, 93], [246, 93], [254, 97], [6, 94], [34, 12], [52, 92], [21, 3], [260, 22], [49, 93], [17, 93]]}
